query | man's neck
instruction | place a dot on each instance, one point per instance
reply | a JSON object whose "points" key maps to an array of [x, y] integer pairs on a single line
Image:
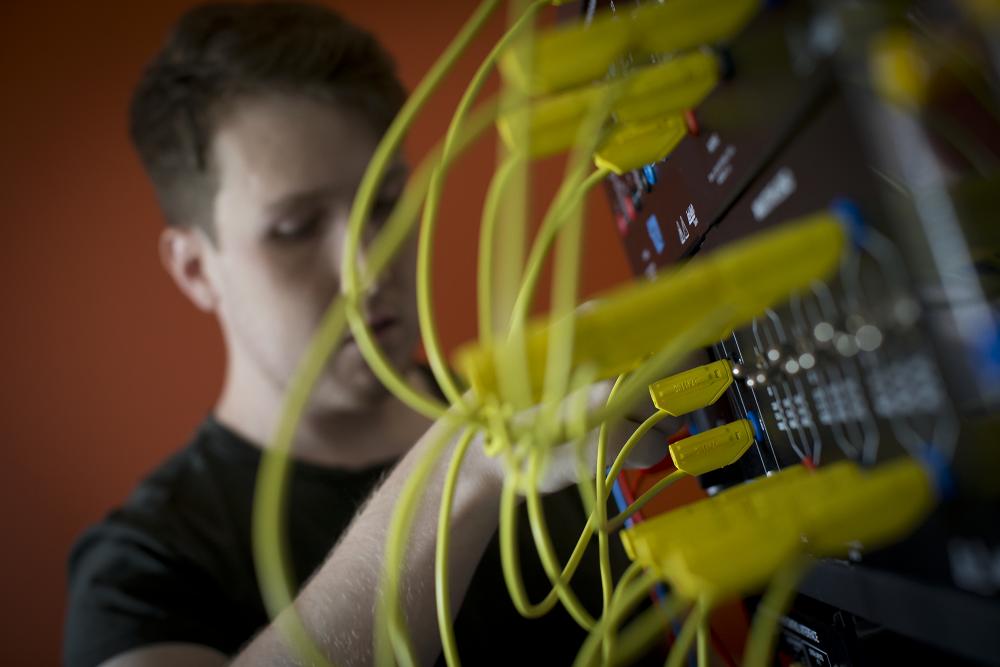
{"points": [[382, 431]]}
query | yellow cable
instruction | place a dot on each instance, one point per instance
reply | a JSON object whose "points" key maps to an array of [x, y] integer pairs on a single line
{"points": [[511, 563], [510, 555], [441, 588], [270, 493], [574, 189], [391, 637], [559, 579], [603, 547], [487, 232], [383, 249], [586, 492], [557, 376], [547, 552], [578, 432], [567, 219], [676, 347], [633, 572], [432, 345], [624, 602], [508, 532], [391, 142], [510, 558], [655, 490], [649, 626], [514, 391], [512, 212], [565, 281], [682, 644], [637, 435], [539, 527], [704, 630], [774, 604]]}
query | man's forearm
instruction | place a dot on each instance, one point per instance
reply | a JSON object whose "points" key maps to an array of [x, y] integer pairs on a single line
{"points": [[338, 604]]}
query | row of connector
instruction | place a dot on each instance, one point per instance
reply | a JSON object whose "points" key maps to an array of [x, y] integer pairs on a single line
{"points": [[731, 544], [710, 296], [646, 104]]}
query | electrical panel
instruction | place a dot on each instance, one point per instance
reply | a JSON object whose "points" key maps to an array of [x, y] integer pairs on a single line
{"points": [[888, 114]]}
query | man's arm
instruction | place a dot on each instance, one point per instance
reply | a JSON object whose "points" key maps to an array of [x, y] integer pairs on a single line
{"points": [[163, 655], [338, 604]]}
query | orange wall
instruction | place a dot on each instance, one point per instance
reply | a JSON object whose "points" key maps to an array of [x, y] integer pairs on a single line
{"points": [[106, 368]]}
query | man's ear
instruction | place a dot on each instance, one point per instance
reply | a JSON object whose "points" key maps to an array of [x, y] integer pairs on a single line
{"points": [[184, 253]]}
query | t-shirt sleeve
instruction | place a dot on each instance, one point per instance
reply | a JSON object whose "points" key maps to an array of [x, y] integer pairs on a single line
{"points": [[128, 589]]}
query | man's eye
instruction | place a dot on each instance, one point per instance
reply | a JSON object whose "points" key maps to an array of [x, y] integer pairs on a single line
{"points": [[297, 227]]}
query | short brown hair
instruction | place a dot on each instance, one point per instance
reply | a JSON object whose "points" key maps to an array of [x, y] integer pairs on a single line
{"points": [[222, 51]]}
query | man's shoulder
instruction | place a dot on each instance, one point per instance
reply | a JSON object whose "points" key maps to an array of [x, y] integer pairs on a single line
{"points": [[203, 473], [184, 505], [171, 564]]}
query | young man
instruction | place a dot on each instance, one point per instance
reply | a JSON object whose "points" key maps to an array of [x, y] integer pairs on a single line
{"points": [[255, 123]]}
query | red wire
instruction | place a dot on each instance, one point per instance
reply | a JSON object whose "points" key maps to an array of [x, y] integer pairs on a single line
{"points": [[720, 648], [628, 495], [692, 122], [666, 463]]}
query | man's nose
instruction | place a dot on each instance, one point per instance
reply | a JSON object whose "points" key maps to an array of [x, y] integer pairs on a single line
{"points": [[360, 261]]}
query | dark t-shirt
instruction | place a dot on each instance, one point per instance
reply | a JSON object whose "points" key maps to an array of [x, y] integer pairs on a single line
{"points": [[174, 564]]}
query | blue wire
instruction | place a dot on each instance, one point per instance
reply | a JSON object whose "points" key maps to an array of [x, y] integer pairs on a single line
{"points": [[661, 589], [619, 497]]}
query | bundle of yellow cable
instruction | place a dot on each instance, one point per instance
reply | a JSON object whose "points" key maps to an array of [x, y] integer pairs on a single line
{"points": [[523, 441], [533, 448]]}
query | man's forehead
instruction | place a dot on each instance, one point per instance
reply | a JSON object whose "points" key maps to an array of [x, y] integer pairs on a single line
{"points": [[293, 199], [276, 146]]}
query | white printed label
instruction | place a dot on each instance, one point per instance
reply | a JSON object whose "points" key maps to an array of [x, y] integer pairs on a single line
{"points": [[713, 142], [778, 189], [691, 216], [723, 166], [682, 231]]}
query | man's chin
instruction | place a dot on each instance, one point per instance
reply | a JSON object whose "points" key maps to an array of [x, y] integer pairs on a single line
{"points": [[349, 383], [357, 390]]}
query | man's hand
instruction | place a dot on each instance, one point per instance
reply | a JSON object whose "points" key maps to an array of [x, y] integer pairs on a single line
{"points": [[563, 465]]}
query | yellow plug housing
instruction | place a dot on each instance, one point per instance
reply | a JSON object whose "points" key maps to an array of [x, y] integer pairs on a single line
{"points": [[730, 286], [772, 267], [692, 389], [731, 544], [568, 56], [881, 510], [733, 560], [684, 24], [647, 93], [712, 449], [553, 122], [631, 145], [712, 549]]}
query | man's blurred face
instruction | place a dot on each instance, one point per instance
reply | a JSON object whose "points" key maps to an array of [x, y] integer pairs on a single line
{"points": [[288, 168]]}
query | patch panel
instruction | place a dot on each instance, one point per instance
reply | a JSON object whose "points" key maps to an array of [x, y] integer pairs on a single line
{"points": [[896, 355]]}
